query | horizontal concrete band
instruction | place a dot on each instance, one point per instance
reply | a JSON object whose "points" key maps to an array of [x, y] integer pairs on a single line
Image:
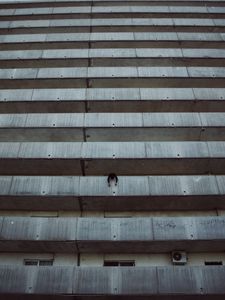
{"points": [[113, 82], [102, 166], [113, 62], [112, 9], [112, 99], [108, 235], [34, 3], [113, 120], [112, 25], [19, 29], [64, 3], [107, 134], [112, 150], [120, 53], [17, 4], [130, 194], [126, 281], [110, 44], [54, 106], [66, 23], [113, 94], [115, 15], [94, 186], [102, 158], [112, 36], [113, 72], [112, 127]]}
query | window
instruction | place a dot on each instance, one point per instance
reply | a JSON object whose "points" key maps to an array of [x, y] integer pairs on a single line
{"points": [[46, 262], [213, 263], [38, 262], [119, 263], [30, 262]]}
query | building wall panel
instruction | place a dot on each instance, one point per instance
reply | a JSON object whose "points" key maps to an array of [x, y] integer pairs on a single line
{"points": [[133, 88]]}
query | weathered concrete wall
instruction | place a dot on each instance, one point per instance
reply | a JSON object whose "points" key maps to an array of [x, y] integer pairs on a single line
{"points": [[112, 235], [134, 88], [113, 281], [97, 260], [92, 193]]}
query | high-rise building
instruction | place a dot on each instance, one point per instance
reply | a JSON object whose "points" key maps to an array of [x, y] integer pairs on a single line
{"points": [[112, 149]]}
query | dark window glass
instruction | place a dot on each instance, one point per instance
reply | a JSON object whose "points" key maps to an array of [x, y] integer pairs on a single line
{"points": [[119, 263], [127, 263], [30, 262], [213, 263], [45, 262], [38, 262], [111, 263]]}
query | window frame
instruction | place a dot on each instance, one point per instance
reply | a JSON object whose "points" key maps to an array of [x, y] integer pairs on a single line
{"points": [[118, 263]]}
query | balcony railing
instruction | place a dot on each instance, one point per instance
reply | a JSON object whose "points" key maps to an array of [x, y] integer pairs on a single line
{"points": [[105, 281], [112, 235]]}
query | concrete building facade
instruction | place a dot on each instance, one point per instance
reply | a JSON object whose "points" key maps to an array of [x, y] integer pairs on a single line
{"points": [[112, 149]]}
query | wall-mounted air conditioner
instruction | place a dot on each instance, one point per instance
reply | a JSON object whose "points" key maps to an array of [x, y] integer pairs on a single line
{"points": [[179, 258]]}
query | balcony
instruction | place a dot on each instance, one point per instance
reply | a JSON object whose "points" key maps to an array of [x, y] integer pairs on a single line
{"points": [[92, 193], [124, 282], [110, 235]]}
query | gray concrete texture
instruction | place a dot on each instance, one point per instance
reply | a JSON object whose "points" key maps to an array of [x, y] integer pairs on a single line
{"points": [[113, 94], [112, 53], [74, 124], [101, 158], [100, 281], [91, 193], [109, 72], [112, 22], [110, 235]]}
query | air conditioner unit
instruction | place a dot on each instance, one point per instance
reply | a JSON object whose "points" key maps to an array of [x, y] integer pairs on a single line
{"points": [[179, 258]]}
